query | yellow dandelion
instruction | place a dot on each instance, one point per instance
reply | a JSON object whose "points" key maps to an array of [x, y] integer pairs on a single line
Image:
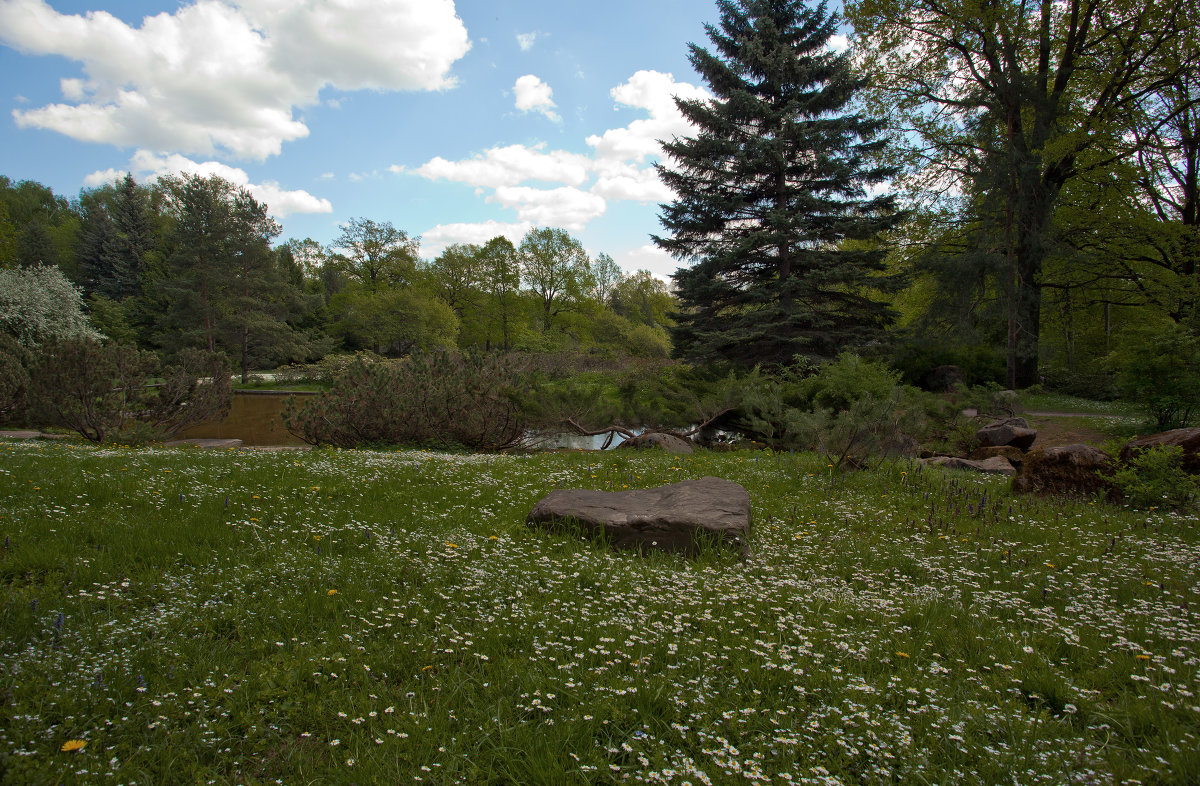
{"points": [[452, 545], [900, 654], [316, 537], [73, 745], [1143, 657], [331, 592], [1049, 564], [493, 537], [426, 668]]}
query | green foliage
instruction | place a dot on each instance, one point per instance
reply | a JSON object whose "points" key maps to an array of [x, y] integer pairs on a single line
{"points": [[105, 392], [377, 254], [1156, 478], [772, 210], [918, 358], [556, 269], [392, 321], [431, 399], [849, 410], [1159, 368], [14, 377]]}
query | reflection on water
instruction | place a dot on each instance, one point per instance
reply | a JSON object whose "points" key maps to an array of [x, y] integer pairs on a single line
{"points": [[255, 418], [569, 441]]}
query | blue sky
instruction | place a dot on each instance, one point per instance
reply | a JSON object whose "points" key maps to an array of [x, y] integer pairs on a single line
{"points": [[454, 119]]}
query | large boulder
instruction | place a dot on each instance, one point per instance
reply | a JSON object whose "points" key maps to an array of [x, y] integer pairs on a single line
{"points": [[1069, 469], [996, 465], [660, 441], [1186, 438], [667, 517], [1013, 455], [1010, 431]]}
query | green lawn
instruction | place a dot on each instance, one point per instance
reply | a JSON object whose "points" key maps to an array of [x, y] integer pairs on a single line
{"points": [[374, 617]]}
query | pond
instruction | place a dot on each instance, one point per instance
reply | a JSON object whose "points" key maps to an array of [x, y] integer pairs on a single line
{"points": [[255, 418]]}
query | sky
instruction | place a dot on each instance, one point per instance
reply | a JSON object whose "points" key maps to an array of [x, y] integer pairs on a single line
{"points": [[455, 120]]}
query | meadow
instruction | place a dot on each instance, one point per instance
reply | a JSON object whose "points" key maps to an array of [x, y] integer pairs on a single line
{"points": [[183, 616]]}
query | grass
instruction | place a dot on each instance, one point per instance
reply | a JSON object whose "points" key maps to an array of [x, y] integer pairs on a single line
{"points": [[385, 617], [1060, 402]]}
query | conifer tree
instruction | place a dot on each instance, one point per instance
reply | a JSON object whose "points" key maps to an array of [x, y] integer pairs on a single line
{"points": [[772, 206]]}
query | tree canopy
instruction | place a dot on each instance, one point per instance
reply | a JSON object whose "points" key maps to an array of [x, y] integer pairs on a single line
{"points": [[772, 207]]}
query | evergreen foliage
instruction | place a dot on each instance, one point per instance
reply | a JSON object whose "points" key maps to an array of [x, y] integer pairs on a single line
{"points": [[772, 204]]}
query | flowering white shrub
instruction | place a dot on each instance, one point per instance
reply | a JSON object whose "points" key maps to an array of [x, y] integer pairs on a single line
{"points": [[39, 303]]}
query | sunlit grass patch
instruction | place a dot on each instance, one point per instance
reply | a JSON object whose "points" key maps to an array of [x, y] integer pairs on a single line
{"points": [[233, 616]]}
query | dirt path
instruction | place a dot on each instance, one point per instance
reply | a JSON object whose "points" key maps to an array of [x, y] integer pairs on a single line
{"points": [[1063, 428]]}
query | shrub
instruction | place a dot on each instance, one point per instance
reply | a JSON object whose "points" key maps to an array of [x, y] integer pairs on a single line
{"points": [[850, 410], [39, 304], [14, 378], [1159, 368], [1155, 477], [103, 391], [194, 390], [436, 399]]}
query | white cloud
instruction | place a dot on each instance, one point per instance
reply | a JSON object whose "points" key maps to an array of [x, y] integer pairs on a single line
{"points": [[838, 43], [564, 207], [435, 240], [225, 76], [654, 92], [510, 166], [526, 40], [534, 94], [620, 161], [623, 180], [648, 257], [148, 166]]}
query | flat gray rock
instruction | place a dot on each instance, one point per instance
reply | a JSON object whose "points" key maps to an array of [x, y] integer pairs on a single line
{"points": [[996, 465], [667, 517]]}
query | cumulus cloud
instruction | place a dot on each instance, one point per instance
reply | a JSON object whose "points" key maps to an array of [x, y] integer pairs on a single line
{"points": [[566, 207], [510, 166], [838, 43], [148, 167], [619, 168], [435, 240], [648, 257], [534, 94], [654, 92], [526, 40], [225, 76]]}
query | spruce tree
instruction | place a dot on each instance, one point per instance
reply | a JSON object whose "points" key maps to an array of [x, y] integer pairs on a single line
{"points": [[772, 206]]}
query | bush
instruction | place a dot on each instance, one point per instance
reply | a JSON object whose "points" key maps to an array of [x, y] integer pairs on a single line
{"points": [[14, 378], [1159, 369], [850, 410], [103, 392], [917, 359], [439, 399], [1155, 477]]}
